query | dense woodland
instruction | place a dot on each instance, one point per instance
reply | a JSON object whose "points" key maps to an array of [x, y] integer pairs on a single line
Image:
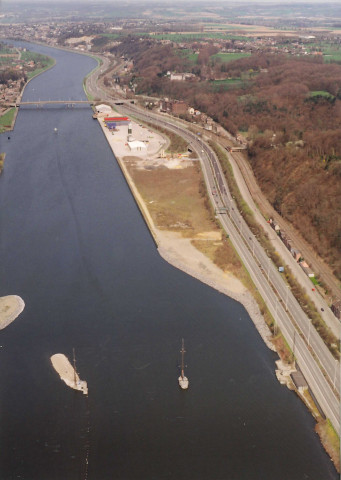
{"points": [[288, 108]]}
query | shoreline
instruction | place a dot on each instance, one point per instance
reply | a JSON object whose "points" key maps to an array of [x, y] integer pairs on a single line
{"points": [[172, 255], [167, 249], [23, 88]]}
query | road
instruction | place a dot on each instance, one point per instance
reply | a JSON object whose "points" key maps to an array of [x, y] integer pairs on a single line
{"points": [[292, 321], [251, 193], [327, 315]]}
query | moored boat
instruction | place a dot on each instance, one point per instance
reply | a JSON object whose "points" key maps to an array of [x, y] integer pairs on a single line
{"points": [[183, 380]]}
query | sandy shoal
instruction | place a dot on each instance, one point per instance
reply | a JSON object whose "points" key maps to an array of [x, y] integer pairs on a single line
{"points": [[63, 367], [67, 373], [11, 307]]}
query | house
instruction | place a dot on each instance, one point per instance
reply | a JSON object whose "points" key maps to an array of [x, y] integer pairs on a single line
{"points": [[103, 108], [181, 76], [176, 107], [296, 254], [177, 76], [137, 146]]}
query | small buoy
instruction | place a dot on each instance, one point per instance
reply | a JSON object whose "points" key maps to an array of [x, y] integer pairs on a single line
{"points": [[56, 130], [9, 138]]}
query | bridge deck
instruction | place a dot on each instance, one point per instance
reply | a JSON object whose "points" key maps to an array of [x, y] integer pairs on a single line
{"points": [[44, 102]]}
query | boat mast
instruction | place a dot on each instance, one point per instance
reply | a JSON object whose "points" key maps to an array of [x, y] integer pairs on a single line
{"points": [[183, 351], [74, 366]]}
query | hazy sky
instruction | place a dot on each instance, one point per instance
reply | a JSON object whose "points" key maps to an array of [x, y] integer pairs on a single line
{"points": [[207, 2]]}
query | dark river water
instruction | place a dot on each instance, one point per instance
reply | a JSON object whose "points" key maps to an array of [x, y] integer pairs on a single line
{"points": [[75, 248]]}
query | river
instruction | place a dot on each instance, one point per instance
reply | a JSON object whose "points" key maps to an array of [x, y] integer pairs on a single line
{"points": [[75, 248]]}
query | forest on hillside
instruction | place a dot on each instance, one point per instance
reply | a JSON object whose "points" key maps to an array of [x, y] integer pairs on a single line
{"points": [[288, 108]]}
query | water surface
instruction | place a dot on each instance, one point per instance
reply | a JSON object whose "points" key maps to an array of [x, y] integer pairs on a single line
{"points": [[75, 248]]}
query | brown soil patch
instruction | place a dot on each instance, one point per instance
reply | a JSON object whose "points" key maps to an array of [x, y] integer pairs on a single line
{"points": [[173, 199]]}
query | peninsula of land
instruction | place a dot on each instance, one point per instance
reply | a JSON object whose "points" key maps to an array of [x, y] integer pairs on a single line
{"points": [[179, 247]]}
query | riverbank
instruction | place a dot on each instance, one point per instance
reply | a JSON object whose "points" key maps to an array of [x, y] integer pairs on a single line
{"points": [[12, 112], [11, 307], [173, 246], [180, 252]]}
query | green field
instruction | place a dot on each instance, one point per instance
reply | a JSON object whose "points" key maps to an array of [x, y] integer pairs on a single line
{"points": [[192, 37], [5, 50], [6, 120], [331, 52], [321, 93], [226, 84], [46, 62], [6, 60], [226, 26], [229, 57], [111, 35], [188, 54]]}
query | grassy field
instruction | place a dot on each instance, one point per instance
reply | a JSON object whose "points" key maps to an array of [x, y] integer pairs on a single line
{"points": [[175, 199], [192, 37], [330, 440], [176, 143], [2, 161], [113, 36], [6, 60], [6, 120], [45, 62], [227, 27], [331, 52], [229, 57], [226, 84], [188, 54], [321, 93], [7, 55]]}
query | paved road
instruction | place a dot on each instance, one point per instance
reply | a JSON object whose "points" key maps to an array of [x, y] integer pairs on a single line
{"points": [[250, 190], [301, 336], [263, 273], [327, 315]]}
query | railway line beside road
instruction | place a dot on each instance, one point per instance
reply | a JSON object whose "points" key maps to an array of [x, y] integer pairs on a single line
{"points": [[316, 362], [301, 337]]}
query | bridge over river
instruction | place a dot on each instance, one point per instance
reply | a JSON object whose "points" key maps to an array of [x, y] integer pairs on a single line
{"points": [[53, 102], [71, 103]]}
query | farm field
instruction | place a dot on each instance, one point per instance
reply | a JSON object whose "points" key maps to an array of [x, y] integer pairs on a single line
{"points": [[191, 37], [226, 84], [6, 120]]}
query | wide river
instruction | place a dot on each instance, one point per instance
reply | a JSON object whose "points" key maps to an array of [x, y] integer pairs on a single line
{"points": [[75, 248]]}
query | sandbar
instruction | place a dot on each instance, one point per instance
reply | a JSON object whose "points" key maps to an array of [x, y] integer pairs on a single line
{"points": [[67, 373], [11, 307]]}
